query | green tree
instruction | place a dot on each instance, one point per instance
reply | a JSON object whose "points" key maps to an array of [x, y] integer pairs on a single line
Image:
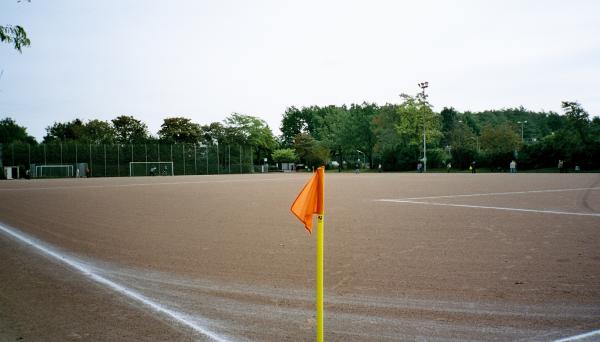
{"points": [[389, 144], [295, 121], [449, 118], [65, 131], [310, 151], [499, 144], [14, 35], [462, 143], [358, 131], [180, 130], [130, 130], [10, 133], [284, 155], [250, 130], [213, 133], [99, 132], [416, 117]]}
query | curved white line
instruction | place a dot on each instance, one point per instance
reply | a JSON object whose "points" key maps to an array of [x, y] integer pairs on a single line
{"points": [[88, 272]]}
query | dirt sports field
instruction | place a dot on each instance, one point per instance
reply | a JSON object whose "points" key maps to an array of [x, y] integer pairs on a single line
{"points": [[429, 257]]}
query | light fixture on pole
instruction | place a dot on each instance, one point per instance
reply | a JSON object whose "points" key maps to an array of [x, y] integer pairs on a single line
{"points": [[423, 86], [364, 156], [522, 124]]}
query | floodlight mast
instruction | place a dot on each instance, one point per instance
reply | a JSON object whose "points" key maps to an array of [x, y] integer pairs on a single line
{"points": [[522, 124], [423, 86]]}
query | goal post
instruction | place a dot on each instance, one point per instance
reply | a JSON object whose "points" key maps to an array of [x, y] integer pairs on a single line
{"points": [[53, 171], [138, 169]]}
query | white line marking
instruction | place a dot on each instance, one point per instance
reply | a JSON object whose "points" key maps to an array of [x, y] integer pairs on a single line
{"points": [[495, 208], [88, 272], [500, 193], [141, 184], [579, 337]]}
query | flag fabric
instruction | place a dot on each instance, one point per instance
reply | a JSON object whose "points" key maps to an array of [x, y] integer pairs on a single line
{"points": [[310, 200]]}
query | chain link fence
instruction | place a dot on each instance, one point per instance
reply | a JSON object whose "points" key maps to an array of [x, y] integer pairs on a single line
{"points": [[114, 160]]}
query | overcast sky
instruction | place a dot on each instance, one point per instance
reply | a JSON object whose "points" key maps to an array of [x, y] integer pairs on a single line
{"points": [[206, 59]]}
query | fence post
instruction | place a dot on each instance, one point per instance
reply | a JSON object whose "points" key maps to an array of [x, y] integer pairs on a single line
{"points": [[91, 169], [118, 161], [218, 161], [229, 154], [146, 153], [183, 155], [241, 160], [104, 145], [206, 159], [195, 167]]}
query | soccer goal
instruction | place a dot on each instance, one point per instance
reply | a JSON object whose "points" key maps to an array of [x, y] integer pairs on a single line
{"points": [[137, 169], [53, 171]]}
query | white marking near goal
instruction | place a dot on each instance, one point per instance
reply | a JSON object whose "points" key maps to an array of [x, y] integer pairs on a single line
{"points": [[90, 273]]}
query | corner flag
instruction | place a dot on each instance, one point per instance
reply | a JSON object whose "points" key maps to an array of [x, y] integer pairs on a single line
{"points": [[309, 202]]}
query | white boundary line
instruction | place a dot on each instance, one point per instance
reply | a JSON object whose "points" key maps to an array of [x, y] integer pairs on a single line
{"points": [[579, 337], [500, 193], [89, 273], [495, 208]]}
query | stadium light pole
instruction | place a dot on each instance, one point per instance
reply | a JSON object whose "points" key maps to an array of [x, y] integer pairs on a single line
{"points": [[423, 86], [522, 124], [364, 156]]}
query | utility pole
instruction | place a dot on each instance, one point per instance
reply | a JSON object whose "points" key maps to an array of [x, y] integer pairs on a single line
{"points": [[522, 124], [423, 86]]}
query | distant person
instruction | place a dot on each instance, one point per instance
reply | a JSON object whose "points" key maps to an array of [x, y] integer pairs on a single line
{"points": [[88, 172], [357, 168], [577, 168], [473, 167], [379, 168], [419, 167], [153, 171], [448, 167], [561, 166], [27, 174], [513, 167], [77, 173]]}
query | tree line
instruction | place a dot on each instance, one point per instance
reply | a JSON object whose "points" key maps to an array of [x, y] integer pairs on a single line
{"points": [[391, 135]]}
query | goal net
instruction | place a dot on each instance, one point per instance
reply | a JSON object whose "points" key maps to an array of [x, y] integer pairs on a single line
{"points": [[53, 171], [150, 169]]}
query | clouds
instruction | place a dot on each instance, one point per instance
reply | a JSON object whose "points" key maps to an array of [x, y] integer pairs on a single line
{"points": [[205, 60]]}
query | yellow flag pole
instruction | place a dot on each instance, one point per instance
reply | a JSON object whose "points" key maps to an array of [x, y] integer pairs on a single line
{"points": [[320, 238]]}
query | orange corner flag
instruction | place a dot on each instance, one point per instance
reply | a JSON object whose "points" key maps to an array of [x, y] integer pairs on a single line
{"points": [[310, 199]]}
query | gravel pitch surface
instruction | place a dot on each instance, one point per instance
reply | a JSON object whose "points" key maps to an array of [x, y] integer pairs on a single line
{"points": [[407, 256]]}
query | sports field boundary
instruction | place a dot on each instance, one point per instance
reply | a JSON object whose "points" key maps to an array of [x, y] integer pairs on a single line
{"points": [[109, 284]]}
